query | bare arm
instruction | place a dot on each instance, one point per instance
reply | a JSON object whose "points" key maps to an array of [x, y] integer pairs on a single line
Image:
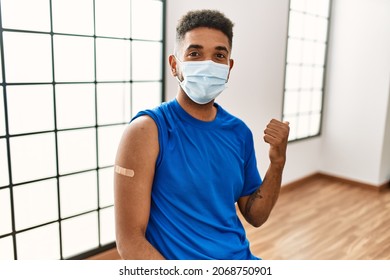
{"points": [[257, 207], [138, 151]]}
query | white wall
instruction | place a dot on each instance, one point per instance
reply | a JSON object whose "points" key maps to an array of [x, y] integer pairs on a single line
{"points": [[357, 97], [355, 139]]}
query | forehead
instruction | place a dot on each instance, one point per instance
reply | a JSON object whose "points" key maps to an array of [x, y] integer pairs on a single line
{"points": [[205, 37]]}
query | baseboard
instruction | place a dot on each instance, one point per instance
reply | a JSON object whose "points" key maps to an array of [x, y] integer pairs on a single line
{"points": [[355, 183], [384, 186], [320, 175], [295, 184]]}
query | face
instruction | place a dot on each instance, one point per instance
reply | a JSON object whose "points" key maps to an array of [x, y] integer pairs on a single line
{"points": [[200, 44]]}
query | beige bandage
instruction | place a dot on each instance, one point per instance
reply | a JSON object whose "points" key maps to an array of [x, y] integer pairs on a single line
{"points": [[124, 171]]}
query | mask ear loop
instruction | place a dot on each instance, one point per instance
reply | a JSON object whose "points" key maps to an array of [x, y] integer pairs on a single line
{"points": [[177, 78], [178, 61]]}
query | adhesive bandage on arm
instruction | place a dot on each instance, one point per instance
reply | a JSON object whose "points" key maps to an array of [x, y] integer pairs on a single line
{"points": [[124, 171]]}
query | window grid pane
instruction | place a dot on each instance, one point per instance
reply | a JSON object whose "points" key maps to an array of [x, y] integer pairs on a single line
{"points": [[81, 13], [71, 114], [112, 60], [16, 14], [305, 67], [76, 150], [68, 88], [6, 248], [30, 108], [80, 234], [35, 203], [5, 212], [39, 243], [4, 180], [27, 57], [78, 193], [33, 157]]}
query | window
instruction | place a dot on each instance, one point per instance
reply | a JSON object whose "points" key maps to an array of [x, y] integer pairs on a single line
{"points": [[73, 73], [305, 67]]}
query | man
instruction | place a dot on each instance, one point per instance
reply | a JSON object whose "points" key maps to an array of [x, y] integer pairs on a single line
{"points": [[182, 167]]}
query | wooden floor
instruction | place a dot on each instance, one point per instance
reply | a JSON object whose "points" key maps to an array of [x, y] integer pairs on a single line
{"points": [[322, 219], [325, 219]]}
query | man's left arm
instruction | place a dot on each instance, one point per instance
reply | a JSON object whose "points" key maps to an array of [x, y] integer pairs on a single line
{"points": [[257, 207]]}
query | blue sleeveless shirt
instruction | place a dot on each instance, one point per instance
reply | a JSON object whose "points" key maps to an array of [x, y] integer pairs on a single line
{"points": [[202, 169]]}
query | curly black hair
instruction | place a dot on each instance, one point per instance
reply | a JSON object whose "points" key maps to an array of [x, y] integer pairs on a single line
{"points": [[205, 18]]}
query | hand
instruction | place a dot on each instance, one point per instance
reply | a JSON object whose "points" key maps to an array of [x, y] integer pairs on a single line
{"points": [[276, 134]]}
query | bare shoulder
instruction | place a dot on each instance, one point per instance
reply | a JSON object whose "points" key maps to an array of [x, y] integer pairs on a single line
{"points": [[142, 127], [140, 138]]}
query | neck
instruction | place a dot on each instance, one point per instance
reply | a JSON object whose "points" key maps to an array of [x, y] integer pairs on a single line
{"points": [[205, 112]]}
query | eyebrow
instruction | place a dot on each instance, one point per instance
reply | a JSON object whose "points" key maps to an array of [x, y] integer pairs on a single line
{"points": [[222, 48], [195, 46]]}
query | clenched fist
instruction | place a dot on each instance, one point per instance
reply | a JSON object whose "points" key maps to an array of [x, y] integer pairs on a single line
{"points": [[276, 135]]}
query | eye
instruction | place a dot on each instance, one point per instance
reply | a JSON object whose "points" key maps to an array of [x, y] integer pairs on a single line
{"points": [[221, 55], [194, 54]]}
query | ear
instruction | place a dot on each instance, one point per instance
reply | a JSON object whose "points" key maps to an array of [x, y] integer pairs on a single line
{"points": [[231, 63], [173, 64]]}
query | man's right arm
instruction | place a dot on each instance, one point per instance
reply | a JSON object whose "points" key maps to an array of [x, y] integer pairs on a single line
{"points": [[138, 151]]}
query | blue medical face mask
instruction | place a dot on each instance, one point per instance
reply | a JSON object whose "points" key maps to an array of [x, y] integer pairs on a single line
{"points": [[203, 81]]}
